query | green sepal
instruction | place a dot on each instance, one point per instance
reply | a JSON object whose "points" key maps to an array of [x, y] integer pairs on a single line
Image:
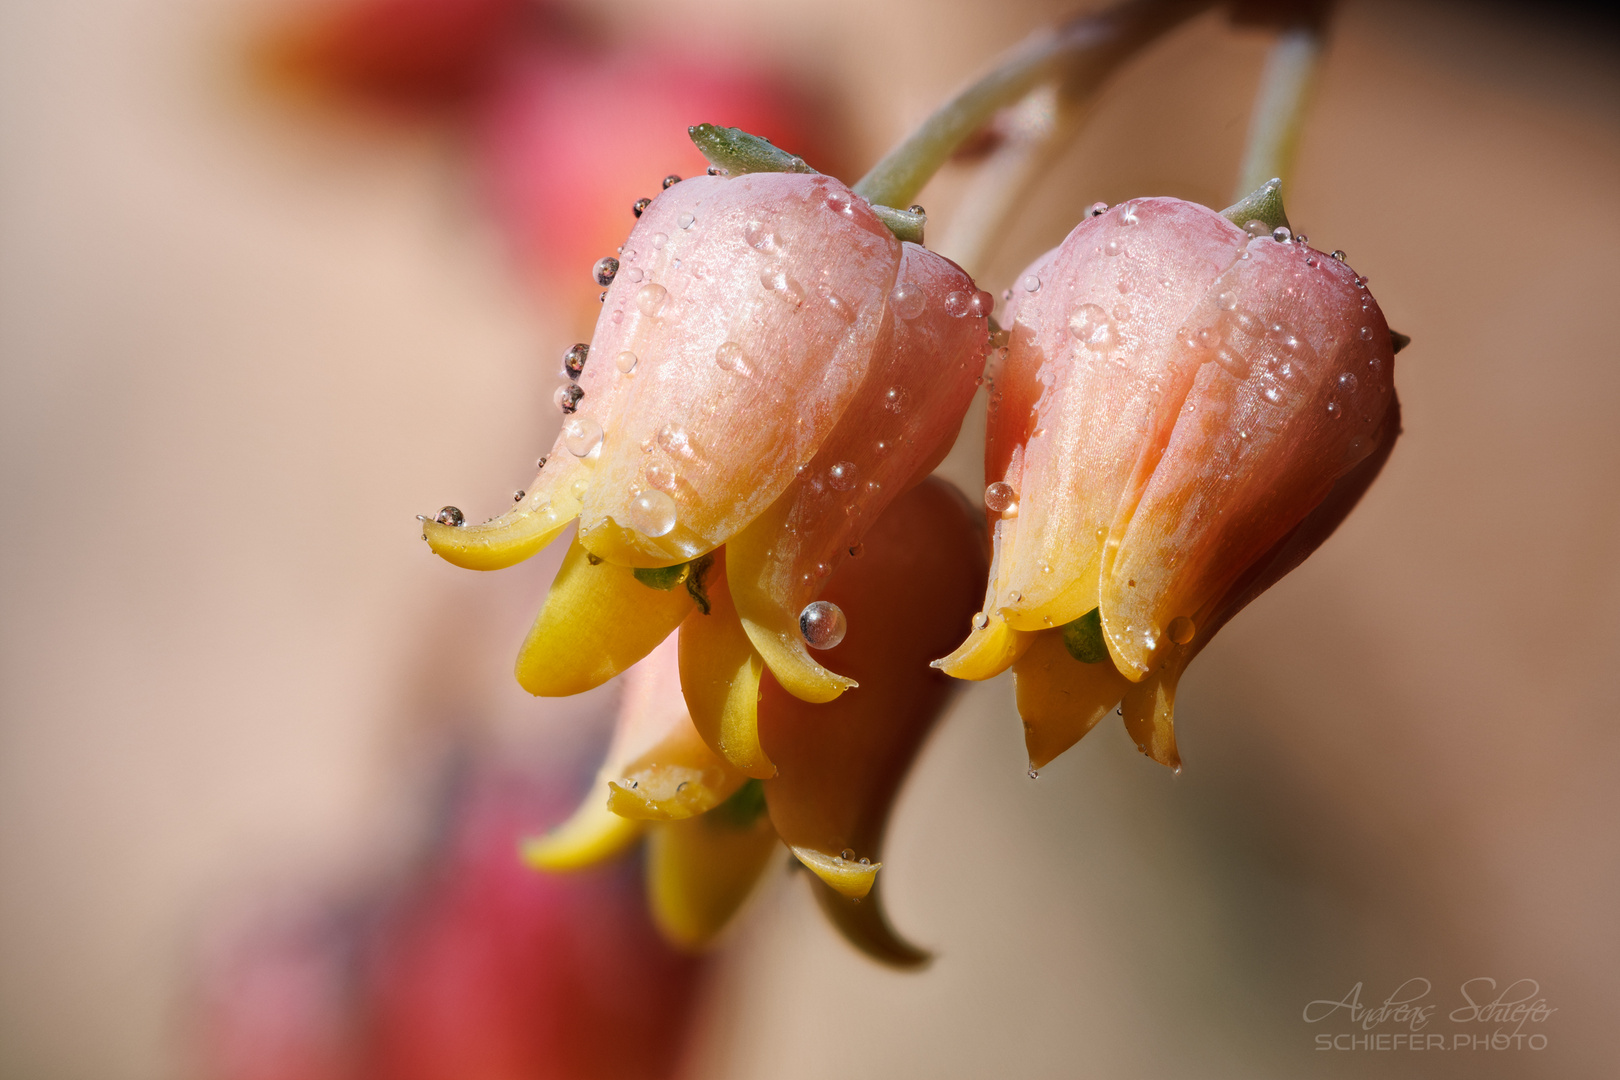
{"points": [[1084, 638], [1264, 203], [664, 578], [743, 808], [905, 224], [733, 151]]}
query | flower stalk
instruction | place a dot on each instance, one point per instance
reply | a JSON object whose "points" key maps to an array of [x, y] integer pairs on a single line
{"points": [[1279, 108]]}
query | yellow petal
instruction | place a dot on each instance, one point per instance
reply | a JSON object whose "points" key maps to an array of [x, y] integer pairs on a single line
{"points": [[551, 502], [597, 621], [1060, 698], [592, 834], [864, 925], [847, 877], [988, 651], [720, 674], [700, 871], [1150, 714]]}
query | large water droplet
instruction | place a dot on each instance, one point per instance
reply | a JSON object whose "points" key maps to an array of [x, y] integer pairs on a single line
{"points": [[574, 360], [650, 298], [1096, 209], [686, 219], [1089, 324], [639, 207], [908, 300], [1181, 630], [779, 282], [660, 239], [840, 201], [842, 476], [980, 620], [581, 435], [1000, 496], [957, 304], [605, 270], [1256, 227], [981, 305], [823, 625], [568, 397], [670, 181], [1030, 283], [1127, 214], [652, 513], [729, 357], [760, 236], [451, 515], [1365, 333], [1348, 382], [661, 475], [1281, 234], [673, 438], [625, 361]]}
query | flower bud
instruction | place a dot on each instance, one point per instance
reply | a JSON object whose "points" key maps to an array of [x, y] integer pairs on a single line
{"points": [[1178, 397]]}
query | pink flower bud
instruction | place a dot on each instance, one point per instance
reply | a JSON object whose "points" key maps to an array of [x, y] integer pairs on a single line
{"points": [[1177, 397]]}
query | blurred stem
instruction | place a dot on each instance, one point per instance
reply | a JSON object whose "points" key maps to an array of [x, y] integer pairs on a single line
{"points": [[1279, 108], [1082, 53]]}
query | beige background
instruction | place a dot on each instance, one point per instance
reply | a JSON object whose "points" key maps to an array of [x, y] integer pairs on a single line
{"points": [[239, 351]]}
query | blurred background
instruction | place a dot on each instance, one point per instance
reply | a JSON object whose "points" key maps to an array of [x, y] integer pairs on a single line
{"points": [[259, 748]]}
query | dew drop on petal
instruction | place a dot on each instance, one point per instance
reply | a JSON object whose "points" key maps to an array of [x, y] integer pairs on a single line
{"points": [[574, 360], [980, 620], [1096, 209], [625, 361], [1232, 362], [1227, 300], [670, 181], [729, 357], [999, 496], [581, 435], [660, 475], [957, 304], [823, 625], [1365, 333], [857, 550], [660, 239], [605, 270], [1335, 411], [568, 397], [760, 237], [650, 298], [782, 284], [1281, 234], [840, 201], [1128, 216], [652, 513], [981, 305], [1256, 227], [1113, 247], [908, 300], [686, 219], [847, 854], [450, 515], [1181, 630], [634, 274], [1030, 283], [842, 476], [673, 438], [1348, 382], [639, 207], [895, 399], [1090, 326]]}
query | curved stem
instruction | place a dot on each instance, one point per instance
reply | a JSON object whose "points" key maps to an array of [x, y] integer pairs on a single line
{"points": [[1279, 108], [1083, 52]]}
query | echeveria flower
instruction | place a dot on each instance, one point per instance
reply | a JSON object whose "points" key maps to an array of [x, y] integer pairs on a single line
{"points": [[771, 368], [833, 768], [1179, 397]]}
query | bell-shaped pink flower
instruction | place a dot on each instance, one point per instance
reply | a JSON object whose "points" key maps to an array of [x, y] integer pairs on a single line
{"points": [[1178, 396], [771, 368]]}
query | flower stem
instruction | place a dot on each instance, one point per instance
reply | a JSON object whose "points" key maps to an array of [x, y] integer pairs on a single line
{"points": [[1082, 52], [1279, 108]]}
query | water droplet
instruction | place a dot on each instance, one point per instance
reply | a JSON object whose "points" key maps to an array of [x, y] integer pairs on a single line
{"points": [[1337, 254], [517, 496], [1232, 362], [1256, 227], [649, 298], [1034, 773], [652, 513], [847, 854], [625, 361], [1208, 337], [760, 237], [1127, 215], [602, 297], [980, 620], [1348, 382], [822, 624], [1227, 301], [660, 239], [581, 435], [1335, 411], [895, 398], [865, 861], [673, 438], [957, 304], [605, 270], [1030, 283], [1281, 234], [1097, 208], [670, 181], [729, 357], [842, 475], [1090, 326], [574, 359], [981, 305], [1302, 239], [639, 207], [634, 274], [1365, 333], [1181, 630], [840, 201], [686, 219], [660, 475], [1113, 247], [908, 300], [450, 515], [1273, 393], [857, 550], [779, 282], [1000, 496], [568, 396]]}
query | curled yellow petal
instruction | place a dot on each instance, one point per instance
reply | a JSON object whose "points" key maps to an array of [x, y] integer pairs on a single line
{"points": [[988, 651], [1060, 698], [548, 505], [1150, 714], [847, 877], [699, 872], [720, 674], [597, 621], [592, 834]]}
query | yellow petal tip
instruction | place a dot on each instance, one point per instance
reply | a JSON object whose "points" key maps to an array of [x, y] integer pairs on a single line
{"points": [[594, 834], [847, 877]]}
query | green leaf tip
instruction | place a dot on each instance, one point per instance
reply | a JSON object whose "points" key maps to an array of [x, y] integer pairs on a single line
{"points": [[905, 224], [1084, 638], [734, 151], [1263, 204]]}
